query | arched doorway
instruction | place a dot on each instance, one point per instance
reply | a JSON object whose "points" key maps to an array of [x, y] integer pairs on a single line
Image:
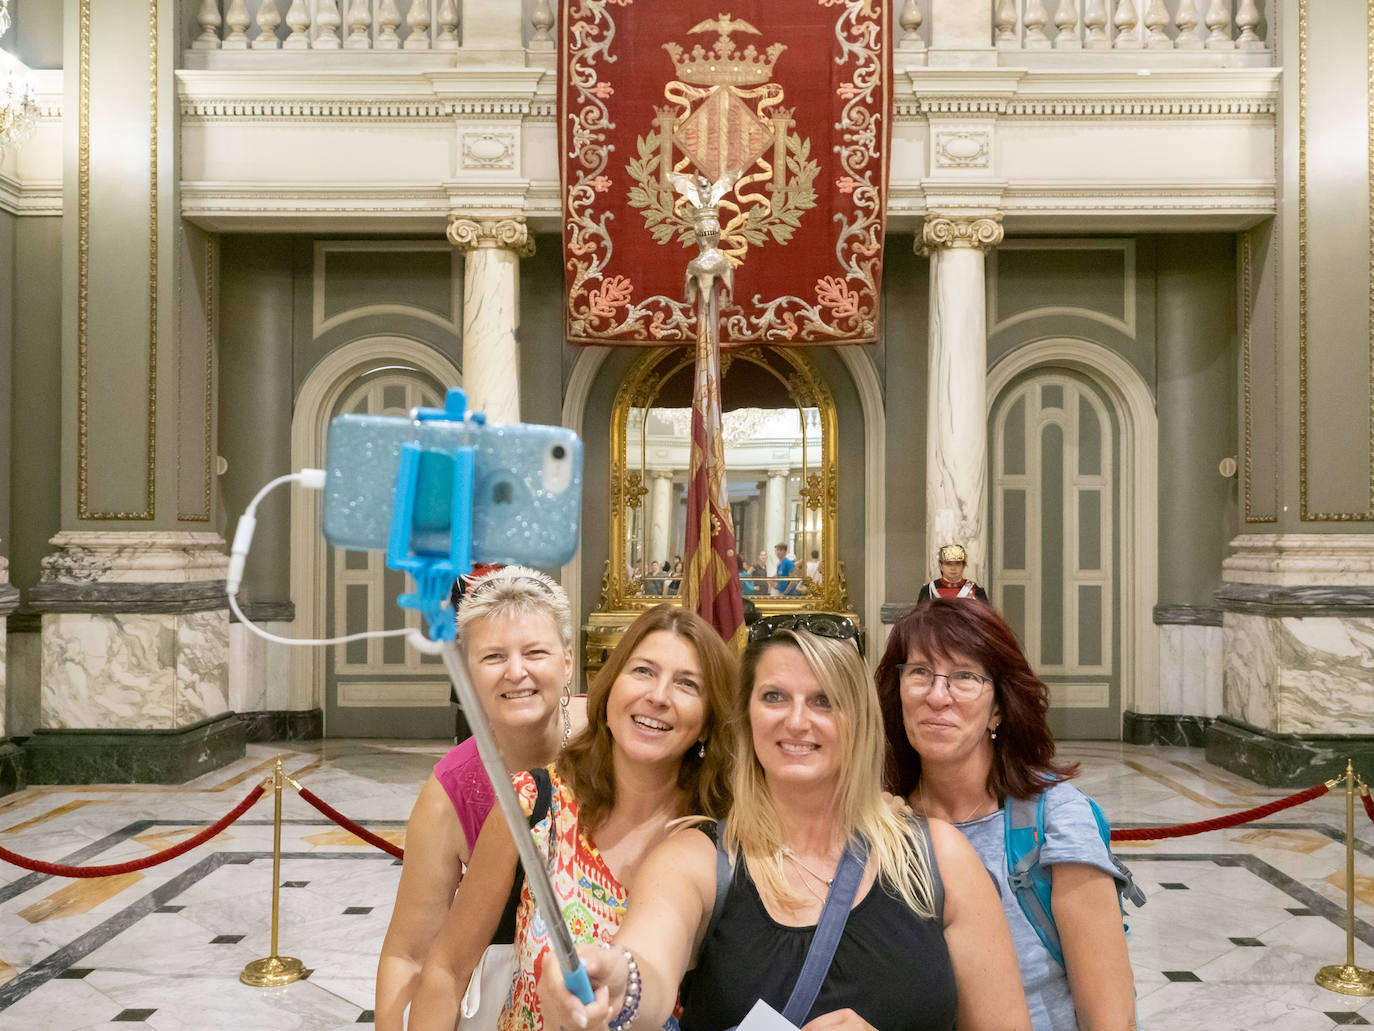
{"points": [[1072, 513], [374, 688]]}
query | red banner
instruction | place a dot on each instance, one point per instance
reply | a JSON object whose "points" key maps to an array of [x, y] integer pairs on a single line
{"points": [[795, 95]]}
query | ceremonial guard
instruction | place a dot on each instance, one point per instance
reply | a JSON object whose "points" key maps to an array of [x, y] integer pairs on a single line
{"points": [[951, 582]]}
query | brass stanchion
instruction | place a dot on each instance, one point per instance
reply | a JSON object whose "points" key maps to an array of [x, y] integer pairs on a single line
{"points": [[272, 971], [1348, 979]]}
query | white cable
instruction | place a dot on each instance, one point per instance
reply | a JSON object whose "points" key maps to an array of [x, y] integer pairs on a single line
{"points": [[310, 479]]}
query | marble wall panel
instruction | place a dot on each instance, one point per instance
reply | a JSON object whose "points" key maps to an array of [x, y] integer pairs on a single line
{"points": [[1326, 675], [127, 672], [1190, 670], [108, 672], [24, 660], [1250, 671], [259, 670], [202, 665]]}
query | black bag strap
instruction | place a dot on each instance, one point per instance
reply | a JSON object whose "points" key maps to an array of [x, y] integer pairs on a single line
{"points": [[544, 786]]}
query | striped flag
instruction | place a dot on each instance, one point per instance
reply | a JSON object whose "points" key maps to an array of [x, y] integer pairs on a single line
{"points": [[710, 583]]}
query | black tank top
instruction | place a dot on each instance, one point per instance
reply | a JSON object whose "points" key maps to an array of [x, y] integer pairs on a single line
{"points": [[891, 967]]}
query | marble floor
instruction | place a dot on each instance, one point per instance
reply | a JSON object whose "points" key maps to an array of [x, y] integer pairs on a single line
{"points": [[1237, 922]]}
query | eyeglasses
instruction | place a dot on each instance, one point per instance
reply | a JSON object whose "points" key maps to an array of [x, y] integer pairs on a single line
{"points": [[822, 624], [964, 684]]}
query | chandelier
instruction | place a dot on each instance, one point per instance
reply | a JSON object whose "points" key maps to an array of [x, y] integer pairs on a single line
{"points": [[18, 100]]}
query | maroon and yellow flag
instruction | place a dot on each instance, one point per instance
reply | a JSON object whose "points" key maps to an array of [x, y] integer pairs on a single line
{"points": [[795, 95], [710, 583]]}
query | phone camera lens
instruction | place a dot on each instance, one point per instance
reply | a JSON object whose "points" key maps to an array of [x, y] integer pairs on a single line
{"points": [[559, 452]]}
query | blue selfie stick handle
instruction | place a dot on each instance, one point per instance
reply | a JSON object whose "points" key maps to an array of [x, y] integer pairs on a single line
{"points": [[576, 981]]}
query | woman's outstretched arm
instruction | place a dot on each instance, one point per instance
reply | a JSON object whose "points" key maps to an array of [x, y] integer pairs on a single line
{"points": [[670, 903]]}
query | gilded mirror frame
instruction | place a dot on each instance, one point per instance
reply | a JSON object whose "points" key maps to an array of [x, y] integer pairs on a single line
{"points": [[620, 593]]}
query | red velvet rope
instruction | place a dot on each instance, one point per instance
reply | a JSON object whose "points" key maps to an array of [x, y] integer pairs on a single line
{"points": [[62, 870], [1368, 804], [1233, 820], [348, 825]]}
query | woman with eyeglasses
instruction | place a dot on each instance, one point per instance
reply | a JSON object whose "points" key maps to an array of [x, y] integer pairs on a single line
{"points": [[966, 721], [515, 632], [654, 750], [923, 943]]}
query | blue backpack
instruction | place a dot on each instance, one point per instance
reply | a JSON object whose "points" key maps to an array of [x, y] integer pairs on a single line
{"points": [[1024, 824]]}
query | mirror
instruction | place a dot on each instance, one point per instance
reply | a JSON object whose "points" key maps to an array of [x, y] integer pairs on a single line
{"points": [[779, 429]]}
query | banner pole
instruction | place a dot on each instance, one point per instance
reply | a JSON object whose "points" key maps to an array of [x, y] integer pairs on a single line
{"points": [[273, 971], [1348, 979]]}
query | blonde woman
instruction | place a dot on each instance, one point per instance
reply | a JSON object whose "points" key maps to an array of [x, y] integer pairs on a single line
{"points": [[515, 632], [924, 944], [653, 750]]}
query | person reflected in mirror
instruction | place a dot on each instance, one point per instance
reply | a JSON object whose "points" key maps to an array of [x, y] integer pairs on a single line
{"points": [[675, 575], [515, 634], [785, 574], [951, 583], [653, 581]]}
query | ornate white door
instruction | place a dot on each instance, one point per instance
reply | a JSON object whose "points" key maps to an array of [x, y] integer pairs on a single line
{"points": [[1054, 448], [380, 687]]}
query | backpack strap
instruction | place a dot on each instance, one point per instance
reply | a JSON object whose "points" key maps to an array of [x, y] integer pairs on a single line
{"points": [[829, 929], [1024, 826]]}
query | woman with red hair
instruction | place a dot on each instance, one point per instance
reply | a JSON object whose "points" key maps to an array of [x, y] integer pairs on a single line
{"points": [[965, 718]]}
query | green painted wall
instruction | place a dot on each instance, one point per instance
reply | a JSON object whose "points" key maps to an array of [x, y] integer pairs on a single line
{"points": [[7, 267], [35, 412], [1195, 305]]}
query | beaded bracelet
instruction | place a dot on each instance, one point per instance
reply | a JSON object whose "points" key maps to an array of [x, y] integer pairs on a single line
{"points": [[634, 988]]}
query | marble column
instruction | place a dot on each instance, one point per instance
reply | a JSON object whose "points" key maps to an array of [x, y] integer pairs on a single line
{"points": [[775, 514], [956, 419], [492, 248], [660, 516]]}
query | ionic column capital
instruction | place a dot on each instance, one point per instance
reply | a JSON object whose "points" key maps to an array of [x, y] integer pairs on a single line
{"points": [[470, 234], [946, 231]]}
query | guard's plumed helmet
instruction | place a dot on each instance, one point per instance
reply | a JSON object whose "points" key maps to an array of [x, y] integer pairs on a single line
{"points": [[952, 553]]}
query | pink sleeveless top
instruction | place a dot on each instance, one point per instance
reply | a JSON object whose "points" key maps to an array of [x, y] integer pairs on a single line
{"points": [[468, 788]]}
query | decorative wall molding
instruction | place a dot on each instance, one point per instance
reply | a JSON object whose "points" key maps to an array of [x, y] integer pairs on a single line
{"points": [[469, 234], [962, 148], [323, 248], [981, 231], [1126, 325]]}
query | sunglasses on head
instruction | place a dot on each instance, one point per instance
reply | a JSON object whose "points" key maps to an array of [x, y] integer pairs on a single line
{"points": [[821, 624]]}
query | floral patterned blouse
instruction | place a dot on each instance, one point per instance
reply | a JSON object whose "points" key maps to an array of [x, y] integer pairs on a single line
{"points": [[592, 900]]}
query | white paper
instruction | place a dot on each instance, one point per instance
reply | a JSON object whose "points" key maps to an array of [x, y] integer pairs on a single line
{"points": [[764, 1017]]}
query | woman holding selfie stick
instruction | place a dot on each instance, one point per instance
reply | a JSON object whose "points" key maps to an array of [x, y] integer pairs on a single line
{"points": [[921, 940], [515, 632], [652, 751]]}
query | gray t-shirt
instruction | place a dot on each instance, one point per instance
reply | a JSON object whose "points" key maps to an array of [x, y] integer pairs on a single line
{"points": [[1070, 837]]}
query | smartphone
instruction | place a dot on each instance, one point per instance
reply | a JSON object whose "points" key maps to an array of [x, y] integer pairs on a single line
{"points": [[527, 486]]}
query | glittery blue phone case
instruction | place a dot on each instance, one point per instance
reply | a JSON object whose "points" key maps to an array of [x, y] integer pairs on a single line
{"points": [[527, 485]]}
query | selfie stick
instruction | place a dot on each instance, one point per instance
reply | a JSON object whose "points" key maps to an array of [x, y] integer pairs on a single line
{"points": [[433, 489]]}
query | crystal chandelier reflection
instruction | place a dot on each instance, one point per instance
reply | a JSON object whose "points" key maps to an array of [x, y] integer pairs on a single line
{"points": [[18, 99]]}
